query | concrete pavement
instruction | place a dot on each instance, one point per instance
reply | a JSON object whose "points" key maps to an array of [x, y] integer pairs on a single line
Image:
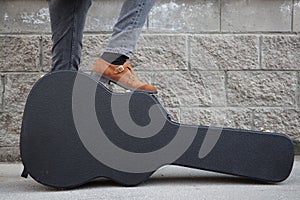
{"points": [[169, 182]]}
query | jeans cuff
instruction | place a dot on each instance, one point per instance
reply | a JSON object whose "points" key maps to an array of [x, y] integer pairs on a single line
{"points": [[121, 51]]}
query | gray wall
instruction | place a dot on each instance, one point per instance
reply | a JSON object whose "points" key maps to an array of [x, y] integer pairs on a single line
{"points": [[239, 58]]}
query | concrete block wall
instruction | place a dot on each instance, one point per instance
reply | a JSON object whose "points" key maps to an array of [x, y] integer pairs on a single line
{"points": [[232, 63]]}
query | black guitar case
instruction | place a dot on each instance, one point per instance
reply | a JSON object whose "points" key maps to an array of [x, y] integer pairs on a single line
{"points": [[74, 130]]}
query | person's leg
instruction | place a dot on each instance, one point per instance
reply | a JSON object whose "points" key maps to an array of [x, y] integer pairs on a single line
{"points": [[127, 30], [112, 65], [67, 24]]}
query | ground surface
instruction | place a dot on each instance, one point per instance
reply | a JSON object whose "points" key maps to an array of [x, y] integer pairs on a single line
{"points": [[168, 183]]}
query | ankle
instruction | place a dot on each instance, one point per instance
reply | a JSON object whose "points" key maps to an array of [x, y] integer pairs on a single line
{"points": [[114, 58]]}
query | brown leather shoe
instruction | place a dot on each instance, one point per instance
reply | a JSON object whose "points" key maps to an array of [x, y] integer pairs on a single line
{"points": [[122, 75]]}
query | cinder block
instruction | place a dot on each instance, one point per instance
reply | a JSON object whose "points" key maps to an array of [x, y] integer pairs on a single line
{"points": [[218, 117], [183, 89], [46, 52], [256, 15], [19, 53], [296, 25], [281, 52], [224, 52], [17, 87], [93, 47], [103, 15], [21, 16], [154, 52], [33, 16], [10, 154], [10, 126], [278, 120], [161, 52], [185, 16], [261, 88], [146, 76], [174, 113]]}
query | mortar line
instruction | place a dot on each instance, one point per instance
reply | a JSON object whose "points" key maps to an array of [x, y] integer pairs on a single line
{"points": [[22, 72], [220, 20], [188, 43], [260, 54], [171, 70], [148, 32], [2, 76], [147, 23], [226, 87], [41, 53], [215, 70], [292, 19], [297, 96], [179, 115], [252, 119], [203, 33], [235, 107]]}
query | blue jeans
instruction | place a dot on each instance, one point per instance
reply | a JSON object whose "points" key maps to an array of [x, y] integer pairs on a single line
{"points": [[67, 24]]}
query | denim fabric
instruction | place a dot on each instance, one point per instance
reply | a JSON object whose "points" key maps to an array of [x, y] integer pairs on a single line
{"points": [[67, 24]]}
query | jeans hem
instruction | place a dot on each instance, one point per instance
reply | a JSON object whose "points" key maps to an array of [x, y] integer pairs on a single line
{"points": [[121, 51]]}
